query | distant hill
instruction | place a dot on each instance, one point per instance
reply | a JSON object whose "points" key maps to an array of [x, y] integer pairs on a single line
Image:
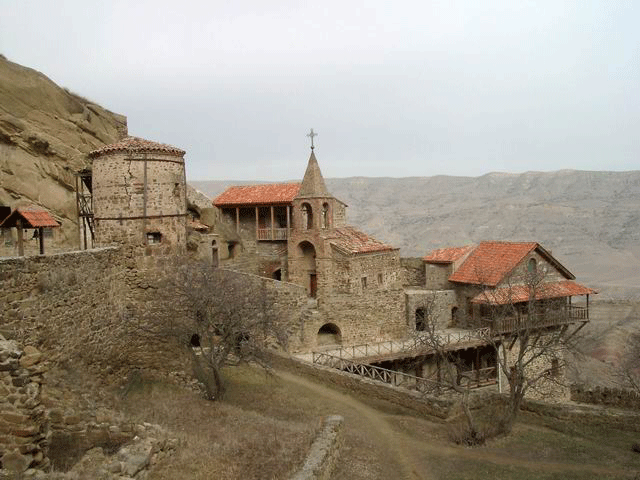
{"points": [[590, 220]]}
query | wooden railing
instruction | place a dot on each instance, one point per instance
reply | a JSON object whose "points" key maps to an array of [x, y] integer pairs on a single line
{"points": [[396, 379], [569, 314], [422, 342], [272, 233], [478, 378]]}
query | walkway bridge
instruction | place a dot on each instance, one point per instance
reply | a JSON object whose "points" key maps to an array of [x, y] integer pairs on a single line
{"points": [[358, 359]]}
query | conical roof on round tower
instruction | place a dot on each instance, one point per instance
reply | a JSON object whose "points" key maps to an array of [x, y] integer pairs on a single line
{"points": [[313, 183]]}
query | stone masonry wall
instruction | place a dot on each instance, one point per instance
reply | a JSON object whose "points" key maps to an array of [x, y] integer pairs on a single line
{"points": [[290, 303], [47, 297], [23, 427], [119, 191], [413, 271], [74, 304], [614, 397]]}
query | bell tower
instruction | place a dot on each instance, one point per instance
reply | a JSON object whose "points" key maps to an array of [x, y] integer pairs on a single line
{"points": [[312, 220]]}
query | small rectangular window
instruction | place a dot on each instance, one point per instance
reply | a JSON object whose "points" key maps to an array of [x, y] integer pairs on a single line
{"points": [[379, 279], [364, 282], [154, 237]]}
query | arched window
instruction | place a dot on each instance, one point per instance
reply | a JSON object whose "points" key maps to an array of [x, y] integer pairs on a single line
{"points": [[532, 265], [325, 215], [307, 216], [421, 319]]}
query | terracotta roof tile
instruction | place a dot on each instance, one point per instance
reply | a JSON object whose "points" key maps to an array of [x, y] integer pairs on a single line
{"points": [[522, 293], [447, 255], [351, 240], [268, 194], [490, 262], [137, 144], [33, 216]]}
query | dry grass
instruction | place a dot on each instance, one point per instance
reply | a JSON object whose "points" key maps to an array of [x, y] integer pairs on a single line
{"points": [[226, 440]]}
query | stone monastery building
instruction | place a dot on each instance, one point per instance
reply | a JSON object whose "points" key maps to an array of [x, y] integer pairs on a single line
{"points": [[334, 284], [361, 291]]}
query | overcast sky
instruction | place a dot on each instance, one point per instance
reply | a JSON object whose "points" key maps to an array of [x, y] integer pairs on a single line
{"points": [[392, 88]]}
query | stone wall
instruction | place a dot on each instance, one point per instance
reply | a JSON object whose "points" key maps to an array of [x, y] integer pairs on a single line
{"points": [[290, 302], [47, 297], [413, 271], [148, 190], [23, 426], [324, 451], [75, 304], [438, 304], [613, 397], [437, 275]]}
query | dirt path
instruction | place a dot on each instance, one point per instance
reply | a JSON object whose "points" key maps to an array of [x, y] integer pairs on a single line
{"points": [[358, 416], [375, 437]]}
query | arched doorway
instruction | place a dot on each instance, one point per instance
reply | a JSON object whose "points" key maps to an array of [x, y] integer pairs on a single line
{"points": [[329, 334], [307, 253]]}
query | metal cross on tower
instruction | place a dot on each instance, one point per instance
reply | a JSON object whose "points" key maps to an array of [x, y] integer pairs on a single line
{"points": [[311, 135]]}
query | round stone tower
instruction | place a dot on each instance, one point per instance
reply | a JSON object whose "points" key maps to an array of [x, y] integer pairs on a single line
{"points": [[139, 195]]}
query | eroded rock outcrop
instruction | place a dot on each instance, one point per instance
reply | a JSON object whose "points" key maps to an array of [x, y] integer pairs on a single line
{"points": [[45, 133]]}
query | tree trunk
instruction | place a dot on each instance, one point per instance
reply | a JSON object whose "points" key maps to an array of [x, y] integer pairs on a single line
{"points": [[210, 376]]}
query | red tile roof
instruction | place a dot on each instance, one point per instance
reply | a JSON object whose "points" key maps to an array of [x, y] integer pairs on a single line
{"points": [[268, 194], [137, 144], [490, 262], [33, 217], [523, 293], [447, 255], [350, 240]]}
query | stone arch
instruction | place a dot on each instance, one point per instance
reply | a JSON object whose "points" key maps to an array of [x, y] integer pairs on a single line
{"points": [[325, 218], [307, 255], [329, 334], [307, 216]]}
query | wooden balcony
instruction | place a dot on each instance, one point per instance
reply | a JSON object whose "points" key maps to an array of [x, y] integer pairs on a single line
{"points": [[565, 316], [270, 234]]}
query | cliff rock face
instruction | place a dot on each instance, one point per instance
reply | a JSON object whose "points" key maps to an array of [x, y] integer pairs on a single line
{"points": [[45, 133]]}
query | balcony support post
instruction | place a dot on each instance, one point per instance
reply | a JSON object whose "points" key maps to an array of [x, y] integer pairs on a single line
{"points": [[273, 231], [257, 222]]}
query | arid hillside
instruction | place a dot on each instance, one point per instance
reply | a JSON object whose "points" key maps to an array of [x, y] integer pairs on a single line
{"points": [[590, 220], [45, 133]]}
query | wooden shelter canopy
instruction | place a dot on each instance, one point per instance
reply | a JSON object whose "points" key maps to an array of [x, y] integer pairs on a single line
{"points": [[30, 217]]}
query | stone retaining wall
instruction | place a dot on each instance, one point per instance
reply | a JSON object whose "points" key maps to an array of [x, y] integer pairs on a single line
{"points": [[23, 427], [324, 451], [615, 397]]}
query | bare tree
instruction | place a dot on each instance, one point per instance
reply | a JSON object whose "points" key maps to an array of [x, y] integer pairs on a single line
{"points": [[531, 338], [451, 372], [219, 317]]}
